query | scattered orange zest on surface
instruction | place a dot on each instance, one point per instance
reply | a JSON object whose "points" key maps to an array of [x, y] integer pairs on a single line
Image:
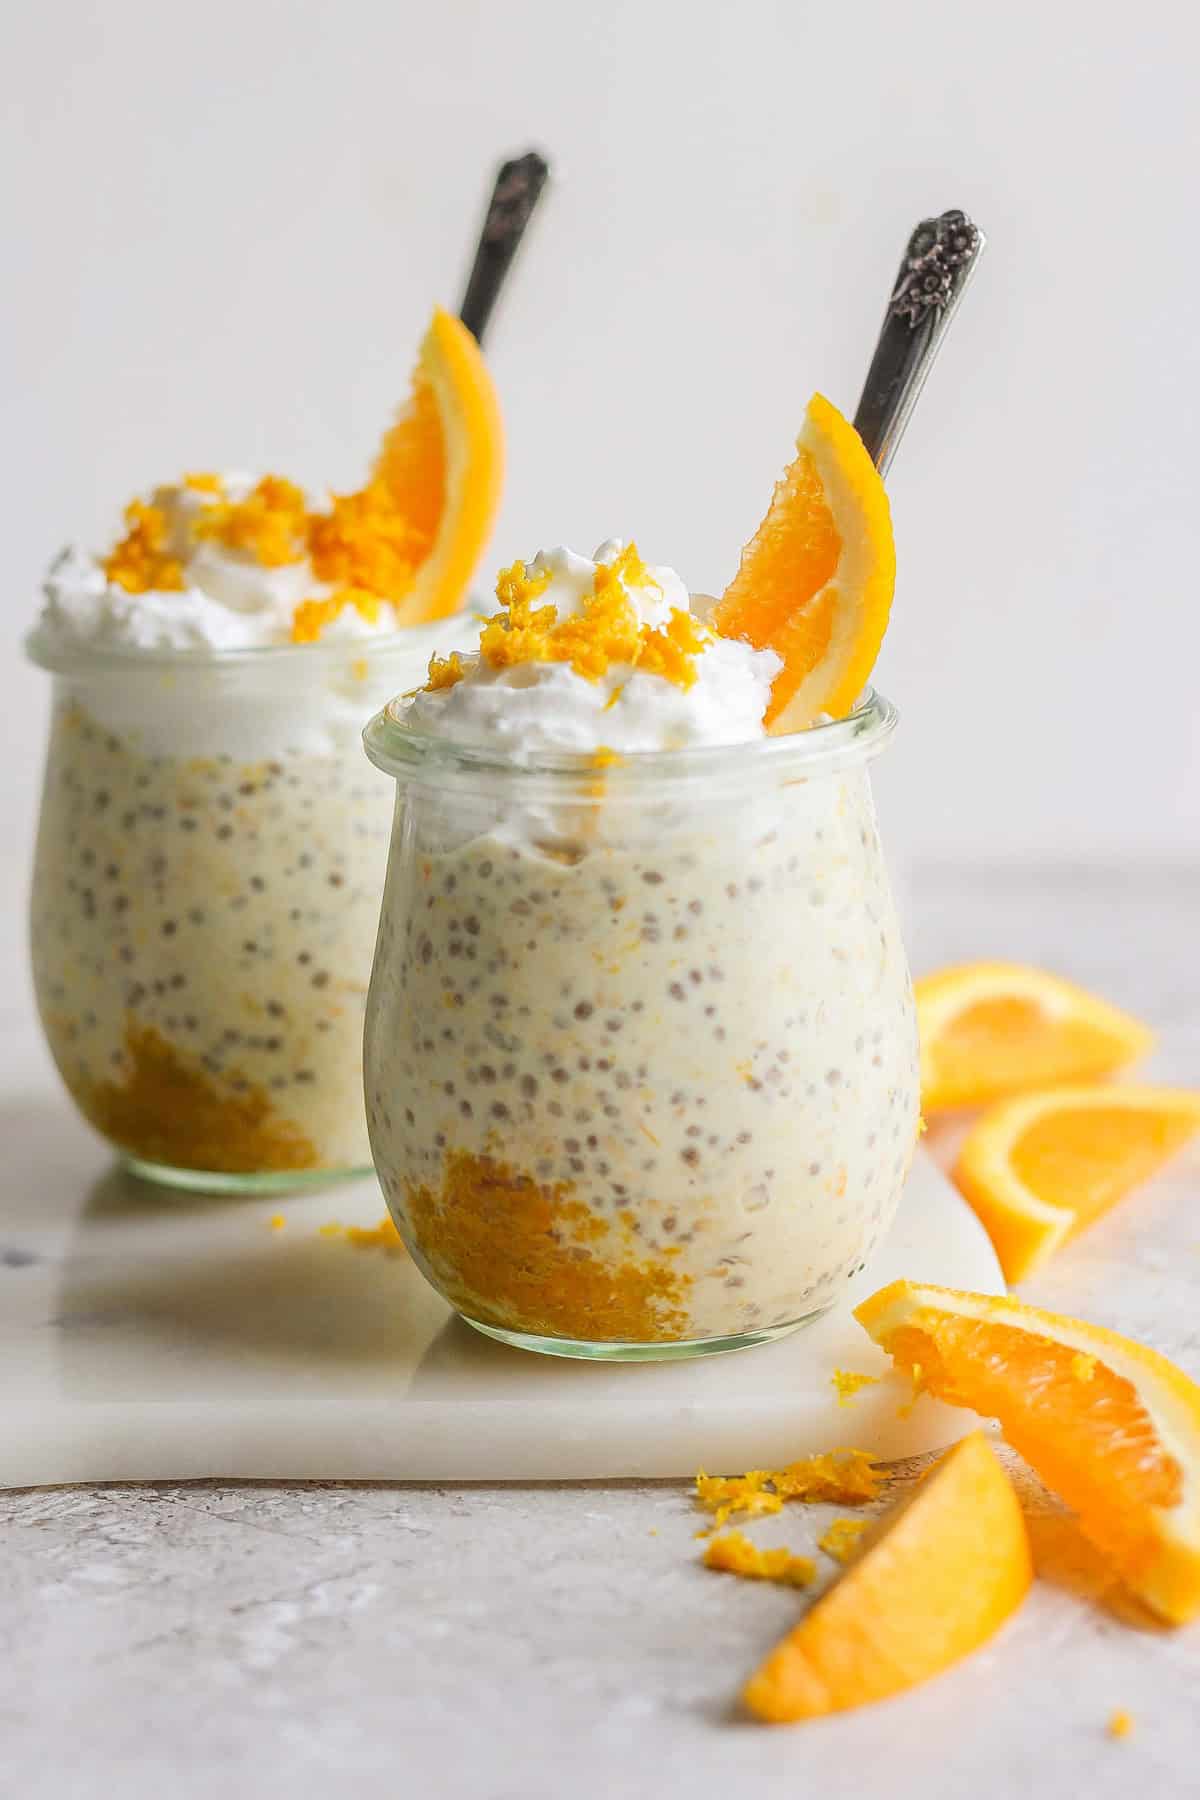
{"points": [[140, 562], [991, 1029], [815, 582], [848, 1382], [950, 1565], [734, 1554], [381, 1236], [839, 1477], [1121, 1447], [1120, 1723], [1039, 1169], [204, 481], [841, 1540], [604, 757], [277, 1222]]}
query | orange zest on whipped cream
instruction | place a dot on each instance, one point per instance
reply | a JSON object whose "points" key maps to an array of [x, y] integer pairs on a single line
{"points": [[606, 631], [270, 525], [140, 560], [311, 616]]}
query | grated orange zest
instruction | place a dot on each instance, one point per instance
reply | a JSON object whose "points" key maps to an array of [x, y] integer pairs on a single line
{"points": [[734, 1554], [839, 1477], [312, 616], [444, 672], [382, 1236], [140, 562], [848, 1382], [842, 1538], [270, 525], [605, 632]]}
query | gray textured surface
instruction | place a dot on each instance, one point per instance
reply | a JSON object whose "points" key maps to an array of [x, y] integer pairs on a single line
{"points": [[524, 1642]]}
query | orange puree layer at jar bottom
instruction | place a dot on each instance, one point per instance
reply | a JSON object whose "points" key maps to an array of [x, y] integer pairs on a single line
{"points": [[534, 1258], [164, 1109]]}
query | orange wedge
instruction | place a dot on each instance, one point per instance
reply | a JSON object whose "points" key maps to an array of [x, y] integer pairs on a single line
{"points": [[815, 582], [417, 530], [1040, 1168], [1112, 1427], [947, 1569], [990, 1029]]}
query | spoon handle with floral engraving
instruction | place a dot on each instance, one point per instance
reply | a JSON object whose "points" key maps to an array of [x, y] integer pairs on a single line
{"points": [[941, 257]]}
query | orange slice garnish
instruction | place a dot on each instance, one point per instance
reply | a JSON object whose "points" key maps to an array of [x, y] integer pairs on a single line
{"points": [[992, 1028], [1112, 1427], [815, 581], [1040, 1168], [416, 532], [945, 1571]]}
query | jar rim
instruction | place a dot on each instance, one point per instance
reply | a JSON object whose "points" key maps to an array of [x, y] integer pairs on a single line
{"points": [[410, 754], [48, 650]]}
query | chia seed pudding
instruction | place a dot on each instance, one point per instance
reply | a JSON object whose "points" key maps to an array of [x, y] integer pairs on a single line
{"points": [[640, 1053], [204, 907]]}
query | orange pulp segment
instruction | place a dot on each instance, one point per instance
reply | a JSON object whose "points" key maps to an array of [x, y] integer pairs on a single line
{"points": [[1040, 1168], [1112, 1427], [815, 581], [993, 1028], [947, 1568]]}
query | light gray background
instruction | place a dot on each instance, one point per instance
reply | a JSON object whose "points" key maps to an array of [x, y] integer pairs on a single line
{"points": [[226, 226]]}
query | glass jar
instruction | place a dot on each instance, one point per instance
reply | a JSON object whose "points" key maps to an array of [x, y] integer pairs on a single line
{"points": [[206, 889], [640, 1051]]}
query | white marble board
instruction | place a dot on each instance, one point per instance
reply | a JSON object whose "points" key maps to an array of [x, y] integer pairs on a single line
{"points": [[152, 1337]]}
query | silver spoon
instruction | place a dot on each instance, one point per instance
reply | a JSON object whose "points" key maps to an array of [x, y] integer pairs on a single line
{"points": [[941, 257], [515, 194]]}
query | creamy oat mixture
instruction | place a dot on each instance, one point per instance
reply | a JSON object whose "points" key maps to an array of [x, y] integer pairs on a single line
{"points": [[638, 1069]]}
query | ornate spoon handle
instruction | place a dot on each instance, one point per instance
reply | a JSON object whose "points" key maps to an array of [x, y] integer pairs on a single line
{"points": [[519, 183], [941, 258]]}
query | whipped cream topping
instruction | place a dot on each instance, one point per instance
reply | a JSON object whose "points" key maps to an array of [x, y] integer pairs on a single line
{"points": [[229, 600], [531, 705]]}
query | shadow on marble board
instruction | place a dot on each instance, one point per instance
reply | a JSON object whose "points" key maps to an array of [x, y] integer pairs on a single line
{"points": [[203, 1275]]}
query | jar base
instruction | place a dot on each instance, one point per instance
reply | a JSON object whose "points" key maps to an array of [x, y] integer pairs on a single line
{"points": [[618, 1351], [221, 1181]]}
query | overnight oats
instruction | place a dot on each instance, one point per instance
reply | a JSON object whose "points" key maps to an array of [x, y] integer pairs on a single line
{"points": [[640, 1055], [212, 849]]}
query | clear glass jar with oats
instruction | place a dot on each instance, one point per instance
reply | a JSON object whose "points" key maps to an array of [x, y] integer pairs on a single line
{"points": [[211, 848], [640, 1052]]}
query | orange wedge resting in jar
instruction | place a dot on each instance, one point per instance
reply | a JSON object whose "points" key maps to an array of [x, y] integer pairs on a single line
{"points": [[1111, 1427], [1040, 1168], [991, 1028], [815, 582], [939, 1577], [435, 489]]}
